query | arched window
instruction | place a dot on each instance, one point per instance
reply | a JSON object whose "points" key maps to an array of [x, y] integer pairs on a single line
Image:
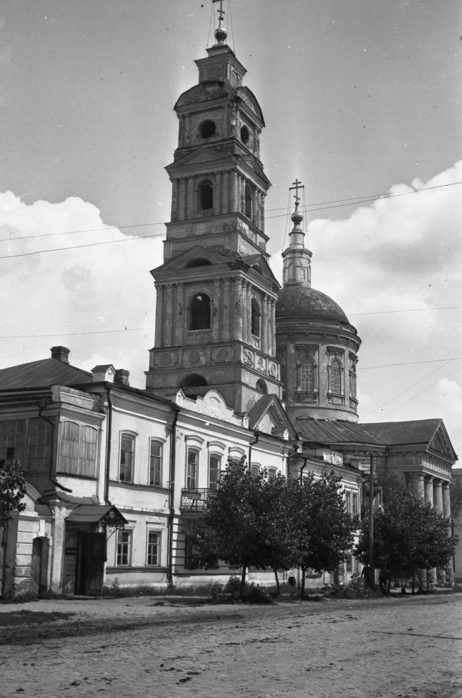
{"points": [[199, 312], [261, 386], [352, 373], [334, 375], [307, 375], [205, 196], [256, 317], [193, 380], [248, 201]]}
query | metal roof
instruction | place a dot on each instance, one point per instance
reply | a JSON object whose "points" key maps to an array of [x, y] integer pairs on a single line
{"points": [[42, 374]]}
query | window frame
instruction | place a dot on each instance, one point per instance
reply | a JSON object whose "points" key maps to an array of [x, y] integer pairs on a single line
{"points": [[153, 481], [214, 485], [132, 435], [188, 478], [158, 546], [124, 548], [336, 379]]}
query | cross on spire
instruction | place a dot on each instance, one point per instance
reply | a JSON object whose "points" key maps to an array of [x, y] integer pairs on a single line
{"points": [[296, 185], [221, 12]]}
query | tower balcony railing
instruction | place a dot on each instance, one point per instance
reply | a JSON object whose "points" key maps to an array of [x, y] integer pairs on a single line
{"points": [[195, 498]]}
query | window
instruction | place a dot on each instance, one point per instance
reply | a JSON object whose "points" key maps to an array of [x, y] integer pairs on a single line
{"points": [[245, 134], [348, 502], [334, 375], [78, 449], [248, 201], [255, 321], [39, 445], [307, 376], [205, 196], [352, 377], [12, 436], [272, 472], [155, 463], [354, 504], [254, 470], [214, 471], [207, 128], [153, 549], [124, 548], [261, 386], [127, 457], [199, 312], [192, 468]]}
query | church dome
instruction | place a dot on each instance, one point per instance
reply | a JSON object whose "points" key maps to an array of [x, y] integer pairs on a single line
{"points": [[304, 302]]}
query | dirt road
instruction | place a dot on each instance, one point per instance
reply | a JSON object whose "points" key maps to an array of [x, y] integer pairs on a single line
{"points": [[128, 648]]}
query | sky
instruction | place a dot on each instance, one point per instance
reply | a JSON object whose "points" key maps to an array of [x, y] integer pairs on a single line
{"points": [[362, 102]]}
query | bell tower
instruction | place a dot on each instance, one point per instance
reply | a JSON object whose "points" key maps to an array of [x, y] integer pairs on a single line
{"points": [[216, 295]]}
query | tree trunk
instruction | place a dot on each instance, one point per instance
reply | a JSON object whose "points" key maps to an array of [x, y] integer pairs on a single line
{"points": [[243, 574], [302, 588], [278, 591]]}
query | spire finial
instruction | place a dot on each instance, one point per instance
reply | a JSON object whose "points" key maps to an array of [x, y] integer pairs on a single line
{"points": [[296, 216], [220, 31]]}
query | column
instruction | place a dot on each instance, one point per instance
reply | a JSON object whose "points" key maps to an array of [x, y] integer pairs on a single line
{"points": [[179, 316], [438, 495], [264, 326], [237, 312], [190, 198], [418, 485], [431, 573], [429, 490], [447, 515]]}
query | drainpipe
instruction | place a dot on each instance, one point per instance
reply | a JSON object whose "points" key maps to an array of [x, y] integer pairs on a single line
{"points": [[53, 449], [108, 444], [252, 443], [171, 498], [305, 461]]}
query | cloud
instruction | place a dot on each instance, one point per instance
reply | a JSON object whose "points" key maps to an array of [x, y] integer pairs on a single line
{"points": [[67, 293]]}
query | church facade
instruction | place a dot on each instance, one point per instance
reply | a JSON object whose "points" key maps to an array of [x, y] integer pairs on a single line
{"points": [[118, 477]]}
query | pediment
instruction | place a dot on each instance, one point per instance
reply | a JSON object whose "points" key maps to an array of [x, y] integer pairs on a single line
{"points": [[192, 258], [269, 417], [440, 443], [260, 265], [203, 156]]}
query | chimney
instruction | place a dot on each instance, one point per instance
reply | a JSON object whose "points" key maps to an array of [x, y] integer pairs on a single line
{"points": [[122, 376], [61, 354]]}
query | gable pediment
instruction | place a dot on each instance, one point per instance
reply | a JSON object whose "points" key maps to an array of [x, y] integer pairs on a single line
{"points": [[269, 417], [193, 258], [200, 157], [258, 263], [440, 444]]}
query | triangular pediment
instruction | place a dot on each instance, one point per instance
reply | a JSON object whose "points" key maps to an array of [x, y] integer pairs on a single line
{"points": [[208, 157], [269, 417], [440, 443], [258, 263], [194, 257]]}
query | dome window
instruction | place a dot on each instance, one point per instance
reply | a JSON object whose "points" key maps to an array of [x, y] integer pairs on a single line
{"points": [[199, 312], [334, 375], [207, 128]]}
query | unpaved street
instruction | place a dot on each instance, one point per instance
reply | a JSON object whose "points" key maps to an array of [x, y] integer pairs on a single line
{"points": [[386, 648]]}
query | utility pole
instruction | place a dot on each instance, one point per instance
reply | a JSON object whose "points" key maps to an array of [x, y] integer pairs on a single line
{"points": [[371, 580]]}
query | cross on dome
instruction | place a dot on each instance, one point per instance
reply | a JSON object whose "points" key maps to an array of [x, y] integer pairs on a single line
{"points": [[220, 32]]}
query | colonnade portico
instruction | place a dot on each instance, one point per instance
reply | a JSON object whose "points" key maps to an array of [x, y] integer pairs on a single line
{"points": [[434, 491]]}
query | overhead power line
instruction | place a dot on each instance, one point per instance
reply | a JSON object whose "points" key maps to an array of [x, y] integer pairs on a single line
{"points": [[321, 206]]}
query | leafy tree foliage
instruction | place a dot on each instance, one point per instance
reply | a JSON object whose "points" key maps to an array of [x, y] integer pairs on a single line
{"points": [[276, 523], [12, 490], [322, 529], [408, 534]]}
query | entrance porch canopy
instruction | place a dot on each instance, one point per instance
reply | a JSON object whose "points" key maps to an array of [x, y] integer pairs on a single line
{"points": [[106, 514]]}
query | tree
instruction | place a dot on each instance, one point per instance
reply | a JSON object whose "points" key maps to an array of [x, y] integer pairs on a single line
{"points": [[322, 529], [12, 491], [408, 534], [233, 520]]}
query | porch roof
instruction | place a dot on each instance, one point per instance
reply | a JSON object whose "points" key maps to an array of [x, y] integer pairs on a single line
{"points": [[97, 513]]}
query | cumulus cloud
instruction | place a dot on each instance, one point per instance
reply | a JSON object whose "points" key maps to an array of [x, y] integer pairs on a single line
{"points": [[401, 253], [78, 295]]}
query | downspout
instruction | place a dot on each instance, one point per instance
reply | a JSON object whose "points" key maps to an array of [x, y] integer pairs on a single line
{"points": [[305, 462], [108, 444], [252, 443], [53, 452], [171, 498]]}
